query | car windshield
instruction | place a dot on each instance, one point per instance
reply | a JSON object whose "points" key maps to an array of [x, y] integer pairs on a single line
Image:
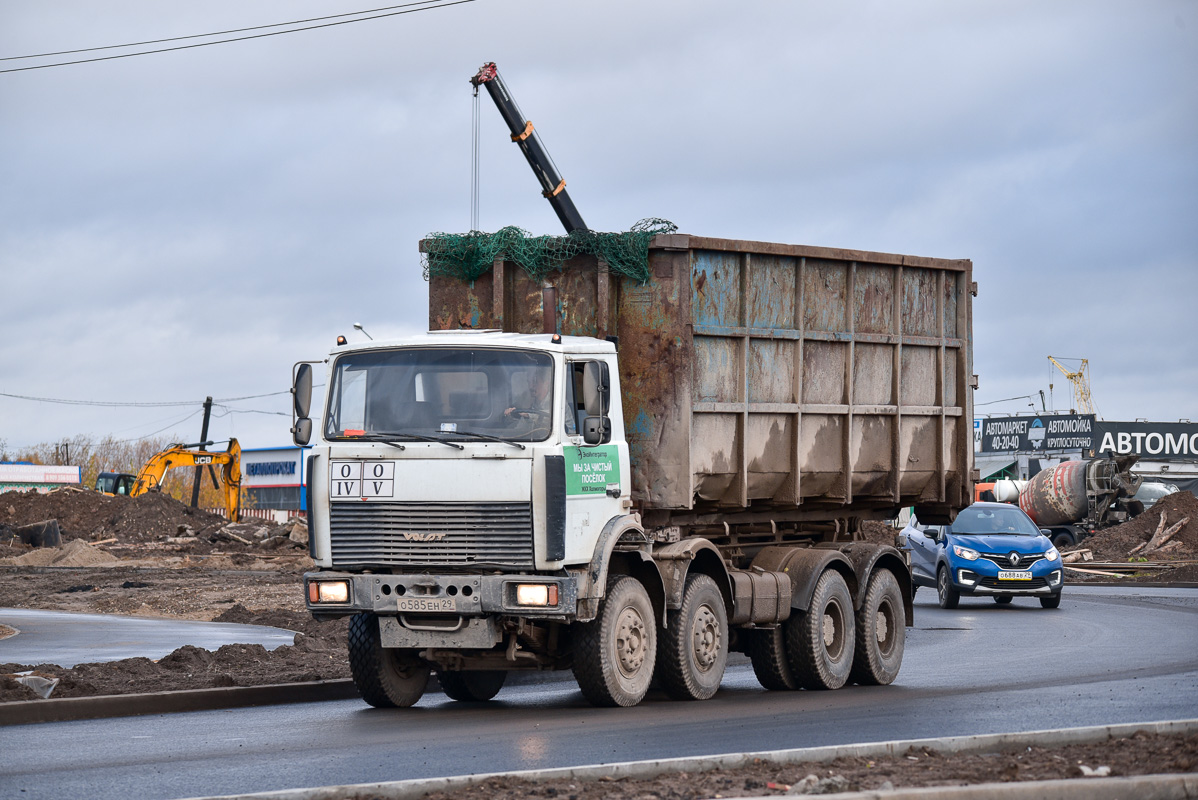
{"points": [[984, 520], [445, 393]]}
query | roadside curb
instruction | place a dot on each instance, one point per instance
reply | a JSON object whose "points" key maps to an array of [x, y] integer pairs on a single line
{"points": [[1146, 787], [129, 705]]}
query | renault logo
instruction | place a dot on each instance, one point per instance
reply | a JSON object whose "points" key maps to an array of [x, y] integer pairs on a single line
{"points": [[1013, 557]]}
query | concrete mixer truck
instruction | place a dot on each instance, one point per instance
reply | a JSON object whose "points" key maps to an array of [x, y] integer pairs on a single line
{"points": [[1076, 498]]}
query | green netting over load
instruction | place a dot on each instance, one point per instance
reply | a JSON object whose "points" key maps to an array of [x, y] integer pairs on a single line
{"points": [[466, 256]]}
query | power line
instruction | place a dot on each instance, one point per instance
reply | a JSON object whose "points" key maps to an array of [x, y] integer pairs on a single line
{"points": [[215, 33], [117, 404], [236, 39]]}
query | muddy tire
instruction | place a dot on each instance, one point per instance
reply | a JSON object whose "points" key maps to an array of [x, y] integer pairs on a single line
{"points": [[881, 632], [472, 685], [1051, 601], [384, 677], [767, 651], [820, 642], [945, 593], [614, 654], [693, 651]]}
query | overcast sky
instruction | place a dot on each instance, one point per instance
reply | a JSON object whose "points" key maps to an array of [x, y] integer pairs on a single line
{"points": [[191, 223]]}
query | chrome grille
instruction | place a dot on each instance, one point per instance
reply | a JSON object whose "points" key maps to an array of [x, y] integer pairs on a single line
{"points": [[1003, 561], [440, 534]]}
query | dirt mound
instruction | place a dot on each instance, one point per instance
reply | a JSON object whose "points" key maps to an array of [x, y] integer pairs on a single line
{"points": [[75, 553], [83, 514], [1115, 544]]}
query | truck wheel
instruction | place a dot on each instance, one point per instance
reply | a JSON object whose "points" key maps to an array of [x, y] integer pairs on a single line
{"points": [[385, 677], [820, 643], [767, 651], [948, 596], [881, 632], [614, 654], [472, 685], [1063, 540], [694, 650], [1051, 601]]}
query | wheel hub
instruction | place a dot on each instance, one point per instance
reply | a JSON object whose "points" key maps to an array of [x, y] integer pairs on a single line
{"points": [[631, 640], [705, 637]]}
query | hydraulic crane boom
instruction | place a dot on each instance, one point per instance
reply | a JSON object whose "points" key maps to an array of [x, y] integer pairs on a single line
{"points": [[523, 134]]}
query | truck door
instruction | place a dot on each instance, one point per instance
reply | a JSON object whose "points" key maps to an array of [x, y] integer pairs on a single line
{"points": [[596, 475]]}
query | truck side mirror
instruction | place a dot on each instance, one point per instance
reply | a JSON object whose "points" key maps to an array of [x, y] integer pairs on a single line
{"points": [[301, 431], [301, 389], [596, 397], [596, 389], [596, 430]]}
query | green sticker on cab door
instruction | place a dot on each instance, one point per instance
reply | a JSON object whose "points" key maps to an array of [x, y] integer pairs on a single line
{"points": [[590, 470]]}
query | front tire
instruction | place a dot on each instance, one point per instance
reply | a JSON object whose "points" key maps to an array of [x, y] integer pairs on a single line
{"points": [[694, 650], [614, 654], [472, 685], [1062, 541], [1051, 601], [385, 677], [946, 594], [881, 632], [820, 642]]}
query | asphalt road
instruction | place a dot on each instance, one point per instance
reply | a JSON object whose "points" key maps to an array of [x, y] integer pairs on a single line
{"points": [[56, 637], [1108, 655]]}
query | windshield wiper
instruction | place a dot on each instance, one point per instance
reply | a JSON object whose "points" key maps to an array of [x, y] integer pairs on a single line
{"points": [[388, 437], [488, 437]]}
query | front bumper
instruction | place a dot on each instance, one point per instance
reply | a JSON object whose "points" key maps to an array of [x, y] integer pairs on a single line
{"points": [[1043, 582], [442, 598]]}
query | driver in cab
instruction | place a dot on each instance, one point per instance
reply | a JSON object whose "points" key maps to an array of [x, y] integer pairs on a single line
{"points": [[535, 400]]}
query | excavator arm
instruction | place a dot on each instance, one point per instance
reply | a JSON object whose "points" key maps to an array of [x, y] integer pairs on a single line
{"points": [[152, 472]]}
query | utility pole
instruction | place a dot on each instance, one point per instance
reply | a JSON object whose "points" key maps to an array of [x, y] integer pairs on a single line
{"points": [[195, 484]]}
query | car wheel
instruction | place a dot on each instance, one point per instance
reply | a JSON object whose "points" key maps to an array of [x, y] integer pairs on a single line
{"points": [[820, 642], [472, 685], [1051, 601], [947, 595], [385, 677], [1003, 599]]}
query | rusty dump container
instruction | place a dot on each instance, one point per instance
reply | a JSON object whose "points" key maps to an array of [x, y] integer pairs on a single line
{"points": [[766, 377]]}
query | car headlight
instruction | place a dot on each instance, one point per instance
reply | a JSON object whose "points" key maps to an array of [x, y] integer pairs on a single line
{"points": [[965, 553], [1051, 554]]}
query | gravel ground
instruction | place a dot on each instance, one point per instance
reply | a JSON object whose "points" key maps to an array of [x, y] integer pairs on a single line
{"points": [[1141, 754]]}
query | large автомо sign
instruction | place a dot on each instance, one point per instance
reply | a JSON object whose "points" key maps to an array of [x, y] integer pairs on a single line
{"points": [[1149, 440], [1095, 438]]}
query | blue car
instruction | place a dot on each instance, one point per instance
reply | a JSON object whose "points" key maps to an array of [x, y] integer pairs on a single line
{"points": [[990, 549]]}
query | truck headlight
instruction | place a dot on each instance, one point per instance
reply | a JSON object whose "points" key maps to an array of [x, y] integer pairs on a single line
{"points": [[328, 592], [965, 553], [536, 594]]}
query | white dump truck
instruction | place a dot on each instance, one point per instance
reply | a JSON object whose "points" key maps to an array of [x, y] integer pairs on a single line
{"points": [[630, 479]]}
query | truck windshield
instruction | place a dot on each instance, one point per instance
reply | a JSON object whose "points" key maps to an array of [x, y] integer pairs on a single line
{"points": [[984, 520], [422, 392]]}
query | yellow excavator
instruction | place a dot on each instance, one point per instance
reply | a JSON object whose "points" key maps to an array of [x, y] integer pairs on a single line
{"points": [[149, 477]]}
